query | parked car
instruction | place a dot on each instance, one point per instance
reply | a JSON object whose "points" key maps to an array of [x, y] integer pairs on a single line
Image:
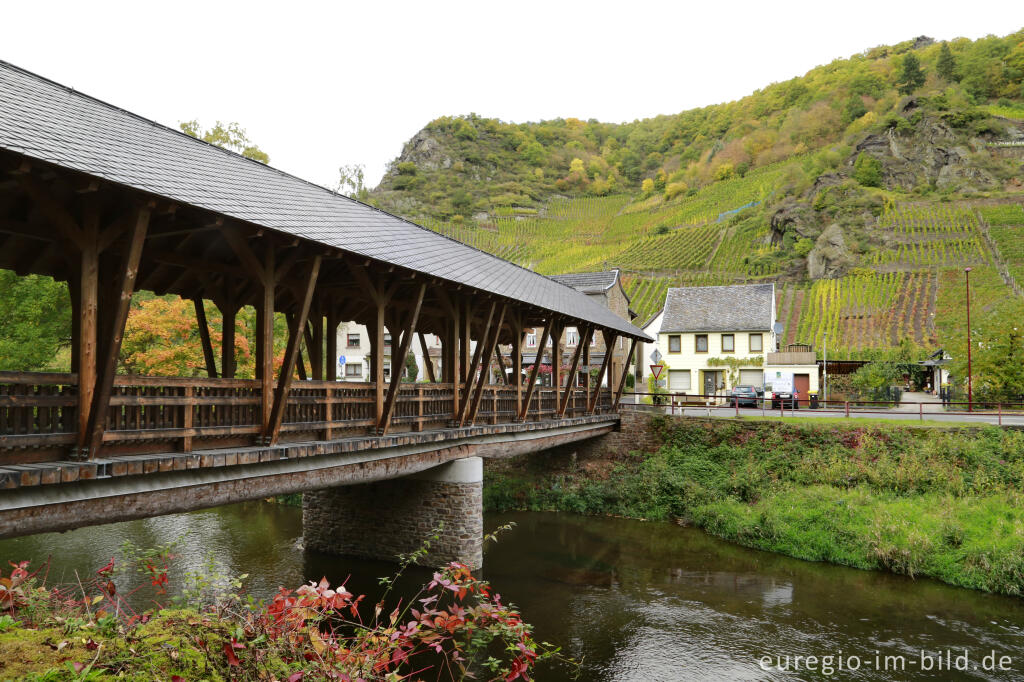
{"points": [[745, 396], [782, 399]]}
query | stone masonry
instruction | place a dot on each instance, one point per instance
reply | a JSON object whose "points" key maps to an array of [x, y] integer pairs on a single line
{"points": [[385, 519]]}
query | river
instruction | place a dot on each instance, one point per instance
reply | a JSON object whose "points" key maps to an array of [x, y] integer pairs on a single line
{"points": [[635, 601]]}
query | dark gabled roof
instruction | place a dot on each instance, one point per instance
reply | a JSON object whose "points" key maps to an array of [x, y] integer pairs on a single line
{"points": [[49, 122], [589, 282], [746, 307]]}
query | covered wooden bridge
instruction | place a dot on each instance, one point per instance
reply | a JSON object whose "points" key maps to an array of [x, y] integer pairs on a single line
{"points": [[113, 204]]}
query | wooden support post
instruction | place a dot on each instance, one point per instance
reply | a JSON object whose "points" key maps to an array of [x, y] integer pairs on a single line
{"points": [[582, 341], [384, 422], [204, 336], [609, 344], [186, 419], [517, 366], [622, 381], [377, 361], [300, 367], [491, 340], [107, 365], [474, 366], [427, 362], [501, 364], [541, 342], [329, 411], [265, 343], [586, 365], [85, 347], [556, 360], [331, 333], [291, 353]]}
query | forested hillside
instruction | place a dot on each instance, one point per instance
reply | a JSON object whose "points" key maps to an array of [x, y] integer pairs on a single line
{"points": [[862, 188]]}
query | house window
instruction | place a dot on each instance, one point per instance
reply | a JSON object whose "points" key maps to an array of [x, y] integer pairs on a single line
{"points": [[353, 369], [352, 340], [701, 343], [572, 336], [755, 343], [387, 340], [728, 343], [675, 344], [531, 340]]}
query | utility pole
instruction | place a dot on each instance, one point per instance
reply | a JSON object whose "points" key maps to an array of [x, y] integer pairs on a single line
{"points": [[824, 387], [970, 392]]}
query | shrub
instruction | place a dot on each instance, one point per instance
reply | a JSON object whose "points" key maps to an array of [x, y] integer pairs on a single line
{"points": [[867, 170]]}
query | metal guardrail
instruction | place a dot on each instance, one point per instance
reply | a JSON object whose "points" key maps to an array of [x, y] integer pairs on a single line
{"points": [[783, 407]]}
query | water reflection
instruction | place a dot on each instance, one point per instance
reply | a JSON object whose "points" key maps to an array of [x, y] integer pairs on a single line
{"points": [[634, 601]]}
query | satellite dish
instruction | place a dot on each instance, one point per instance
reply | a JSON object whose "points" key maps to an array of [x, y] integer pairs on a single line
{"points": [[778, 328]]}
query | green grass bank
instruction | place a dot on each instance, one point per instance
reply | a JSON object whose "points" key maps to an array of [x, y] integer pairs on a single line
{"points": [[943, 503]]}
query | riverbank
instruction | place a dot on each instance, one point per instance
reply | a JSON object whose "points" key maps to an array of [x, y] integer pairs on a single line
{"points": [[941, 503]]}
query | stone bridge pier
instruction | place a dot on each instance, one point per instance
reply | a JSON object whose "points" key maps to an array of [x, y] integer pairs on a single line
{"points": [[383, 519]]}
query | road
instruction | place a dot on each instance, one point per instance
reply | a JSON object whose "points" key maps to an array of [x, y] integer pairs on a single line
{"points": [[932, 413]]}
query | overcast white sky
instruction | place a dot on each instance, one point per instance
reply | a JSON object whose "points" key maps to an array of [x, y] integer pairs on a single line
{"points": [[320, 85]]}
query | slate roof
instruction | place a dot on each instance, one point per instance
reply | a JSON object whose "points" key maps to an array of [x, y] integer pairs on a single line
{"points": [[50, 122], [589, 282], [746, 307]]}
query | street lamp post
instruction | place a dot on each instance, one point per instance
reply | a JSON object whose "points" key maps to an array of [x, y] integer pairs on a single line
{"points": [[970, 392]]}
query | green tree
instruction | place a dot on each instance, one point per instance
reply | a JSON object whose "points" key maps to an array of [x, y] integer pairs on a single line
{"points": [[910, 76], [36, 321], [997, 357], [230, 136], [946, 65], [867, 170], [351, 182]]}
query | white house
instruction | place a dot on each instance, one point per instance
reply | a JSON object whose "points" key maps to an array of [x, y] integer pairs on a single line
{"points": [[713, 338], [354, 353]]}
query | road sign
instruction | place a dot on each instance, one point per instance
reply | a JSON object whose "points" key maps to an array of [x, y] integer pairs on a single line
{"points": [[656, 356], [662, 383], [341, 359], [656, 370]]}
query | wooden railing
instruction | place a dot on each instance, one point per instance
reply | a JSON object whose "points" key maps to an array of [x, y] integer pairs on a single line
{"points": [[39, 412]]}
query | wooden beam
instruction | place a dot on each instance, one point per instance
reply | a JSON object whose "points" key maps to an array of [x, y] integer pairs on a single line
{"points": [[582, 341], [541, 342], [517, 366], [107, 365], [248, 258], [625, 371], [609, 347], [396, 376], [492, 342], [556, 359], [501, 364], [474, 365], [284, 380], [377, 361], [85, 346], [316, 351], [204, 336], [427, 361], [265, 341]]}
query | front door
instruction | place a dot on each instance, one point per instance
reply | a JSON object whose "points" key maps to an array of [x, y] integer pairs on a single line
{"points": [[710, 383], [802, 385]]}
